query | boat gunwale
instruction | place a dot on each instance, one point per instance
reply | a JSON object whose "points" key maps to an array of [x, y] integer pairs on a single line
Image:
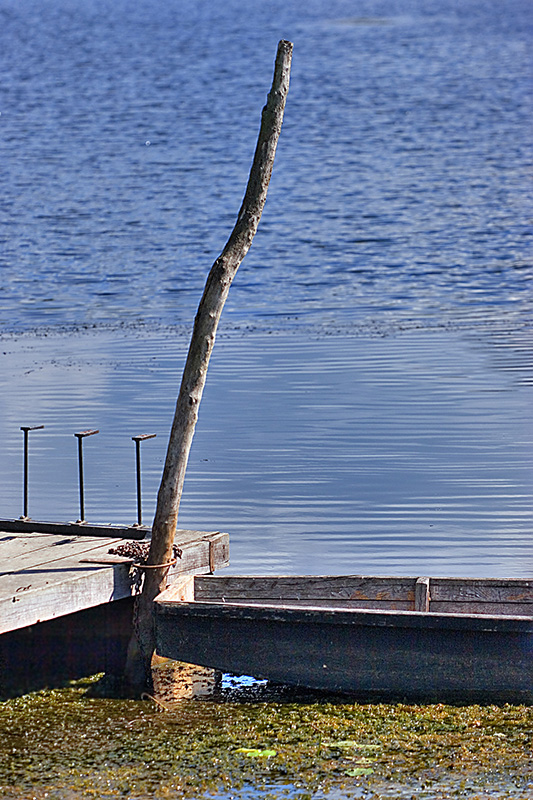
{"points": [[331, 615], [527, 582]]}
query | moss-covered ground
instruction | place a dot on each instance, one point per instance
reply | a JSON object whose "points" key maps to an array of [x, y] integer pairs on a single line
{"points": [[64, 744]]}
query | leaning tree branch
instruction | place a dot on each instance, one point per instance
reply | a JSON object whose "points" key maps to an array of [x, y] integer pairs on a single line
{"points": [[138, 671]]}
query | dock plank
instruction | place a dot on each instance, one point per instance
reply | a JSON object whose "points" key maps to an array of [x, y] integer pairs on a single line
{"points": [[45, 549], [50, 572]]}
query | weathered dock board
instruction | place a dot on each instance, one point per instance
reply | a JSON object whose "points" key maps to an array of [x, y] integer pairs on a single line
{"points": [[45, 575]]}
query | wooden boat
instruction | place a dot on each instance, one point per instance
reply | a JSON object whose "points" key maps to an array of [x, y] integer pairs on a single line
{"points": [[376, 638]]}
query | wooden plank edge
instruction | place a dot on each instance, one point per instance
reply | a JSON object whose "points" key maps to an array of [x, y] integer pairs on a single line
{"points": [[422, 596], [167, 606], [302, 587], [107, 561], [181, 590], [60, 598], [183, 535], [73, 529]]}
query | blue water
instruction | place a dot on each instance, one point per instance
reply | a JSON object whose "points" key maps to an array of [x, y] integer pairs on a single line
{"points": [[368, 408], [401, 189]]}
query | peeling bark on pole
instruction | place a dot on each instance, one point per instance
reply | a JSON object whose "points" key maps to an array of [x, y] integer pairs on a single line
{"points": [[138, 672]]}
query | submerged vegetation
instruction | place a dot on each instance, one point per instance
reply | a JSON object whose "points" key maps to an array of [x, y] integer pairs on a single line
{"points": [[64, 744]]}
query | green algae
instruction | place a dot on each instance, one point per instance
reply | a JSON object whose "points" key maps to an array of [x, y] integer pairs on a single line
{"points": [[63, 744]]}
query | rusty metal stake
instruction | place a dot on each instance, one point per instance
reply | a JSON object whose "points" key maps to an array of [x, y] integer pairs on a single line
{"points": [[80, 437], [138, 440], [27, 429]]}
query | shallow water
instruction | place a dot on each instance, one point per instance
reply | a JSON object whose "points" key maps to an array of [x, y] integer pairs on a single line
{"points": [[398, 454], [67, 746]]}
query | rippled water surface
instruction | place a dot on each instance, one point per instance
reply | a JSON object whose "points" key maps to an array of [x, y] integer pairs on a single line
{"points": [[401, 188], [369, 404], [397, 454]]}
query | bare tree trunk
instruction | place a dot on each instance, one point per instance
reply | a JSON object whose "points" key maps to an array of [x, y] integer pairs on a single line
{"points": [[138, 670]]}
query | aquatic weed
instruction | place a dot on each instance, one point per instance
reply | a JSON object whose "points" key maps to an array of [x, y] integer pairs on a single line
{"points": [[66, 745]]}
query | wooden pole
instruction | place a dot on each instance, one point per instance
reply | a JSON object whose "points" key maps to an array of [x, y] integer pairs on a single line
{"points": [[138, 668]]}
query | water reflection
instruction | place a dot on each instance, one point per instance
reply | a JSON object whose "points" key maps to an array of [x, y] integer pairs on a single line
{"points": [[176, 680], [365, 454]]}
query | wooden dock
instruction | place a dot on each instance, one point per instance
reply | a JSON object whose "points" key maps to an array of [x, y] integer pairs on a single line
{"points": [[66, 602]]}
